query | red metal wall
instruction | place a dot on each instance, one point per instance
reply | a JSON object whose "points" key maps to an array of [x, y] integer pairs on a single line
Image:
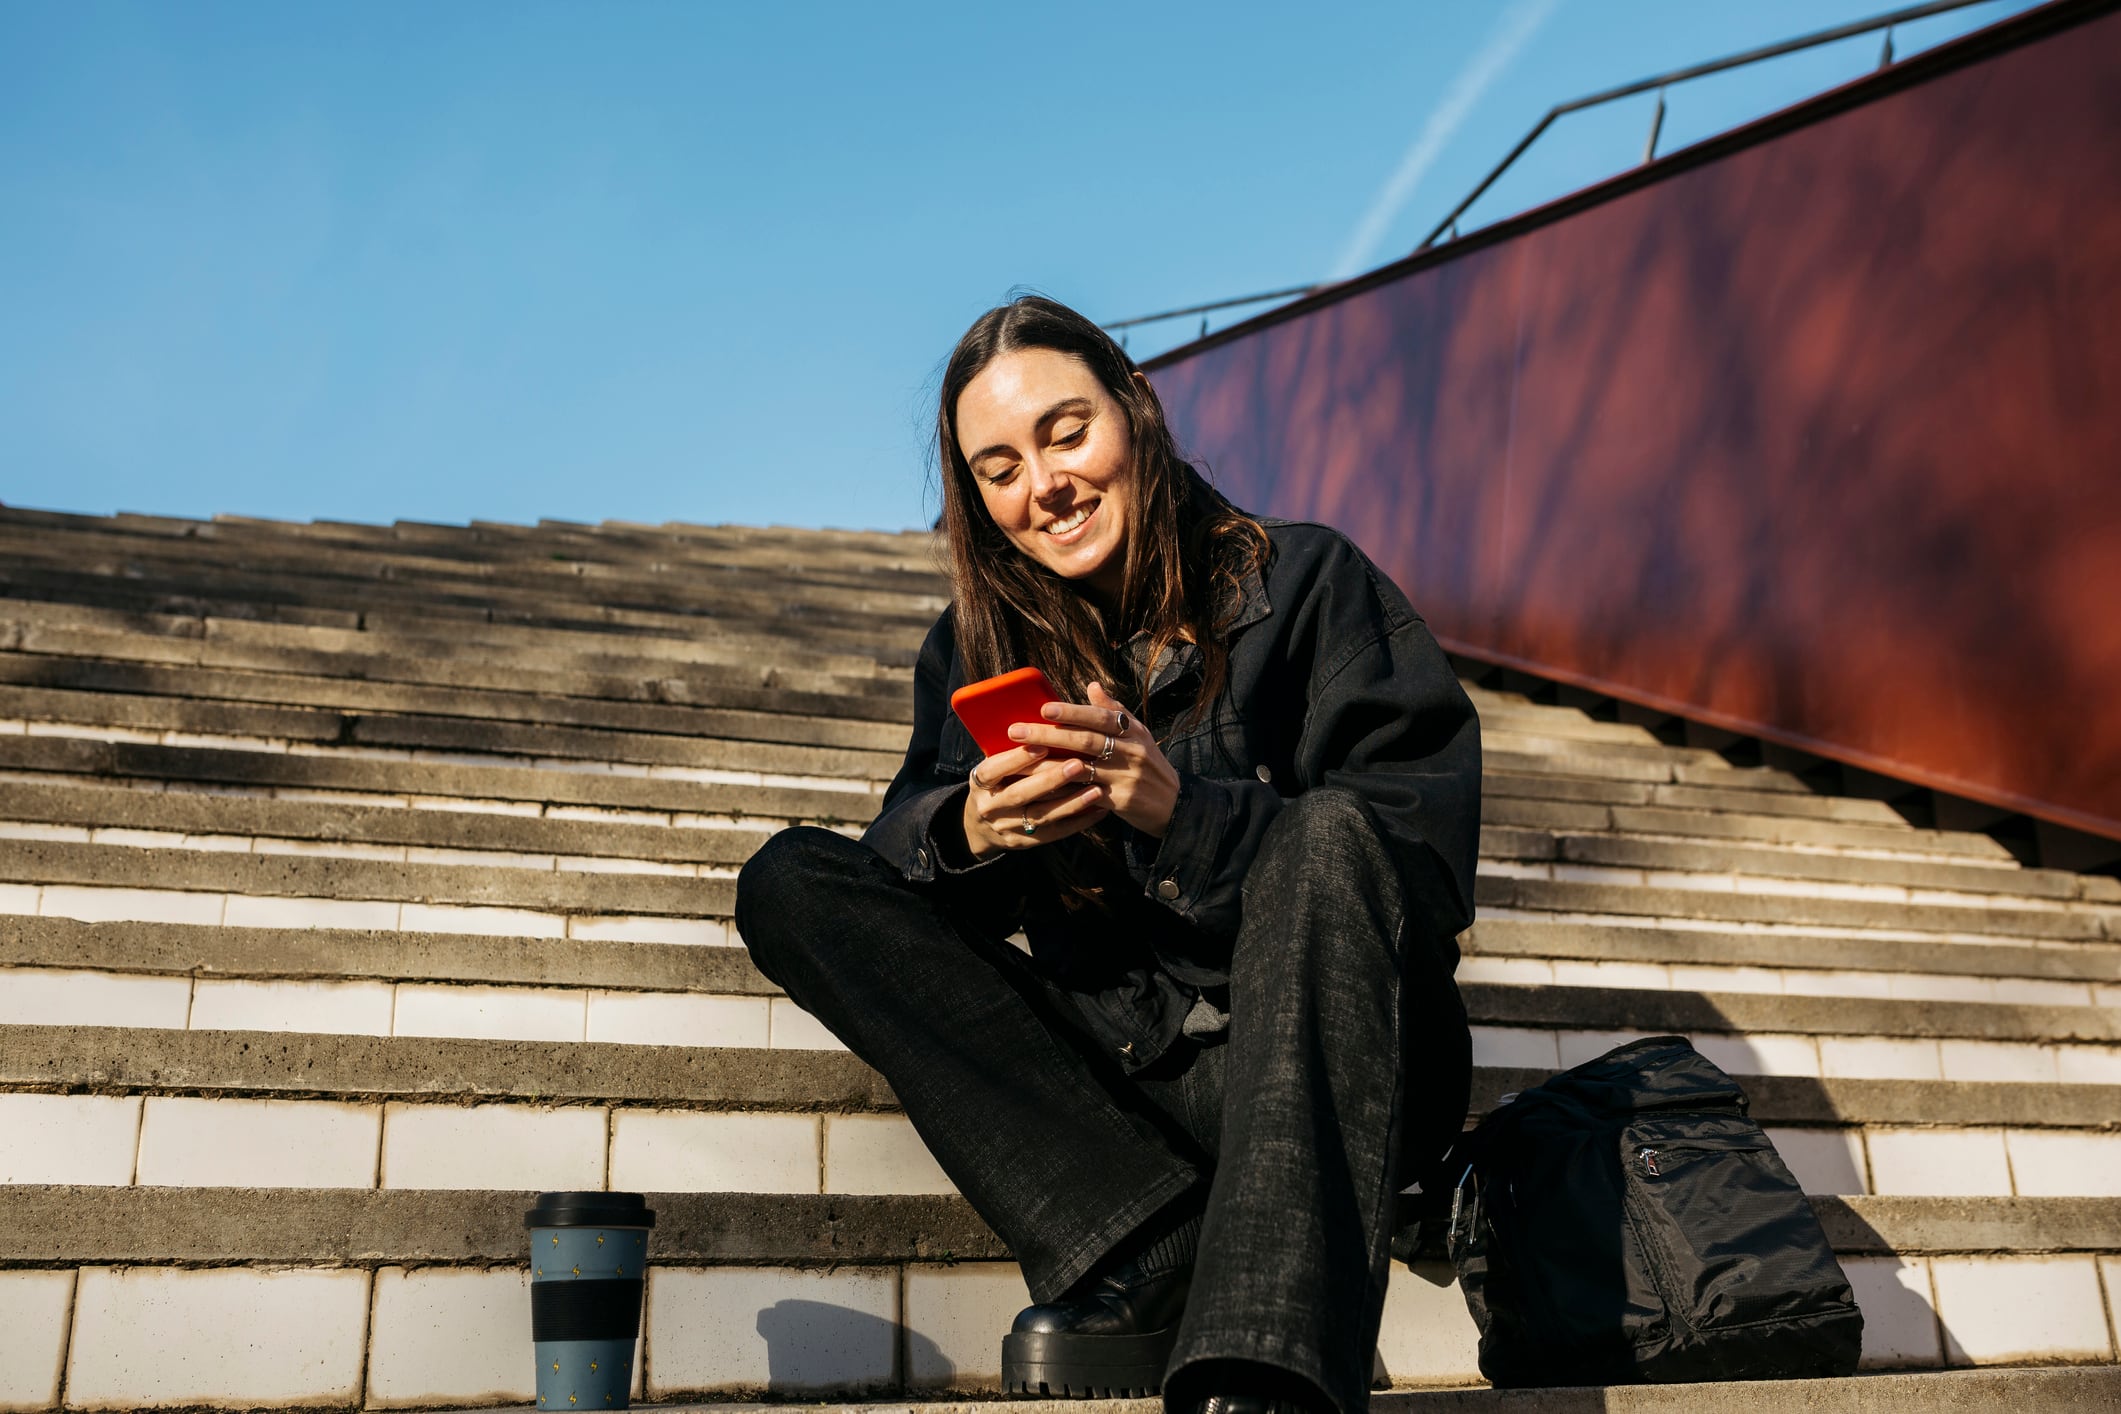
{"points": [[1819, 439]]}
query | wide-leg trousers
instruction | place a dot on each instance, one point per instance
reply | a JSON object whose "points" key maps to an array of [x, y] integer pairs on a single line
{"points": [[1346, 1062]]}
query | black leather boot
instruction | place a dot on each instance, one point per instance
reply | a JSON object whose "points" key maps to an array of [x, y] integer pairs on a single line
{"points": [[1114, 1335]]}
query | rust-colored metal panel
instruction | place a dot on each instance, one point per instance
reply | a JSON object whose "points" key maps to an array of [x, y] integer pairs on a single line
{"points": [[1815, 436]]}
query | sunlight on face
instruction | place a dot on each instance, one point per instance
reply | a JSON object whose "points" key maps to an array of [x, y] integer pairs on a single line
{"points": [[1053, 458]]}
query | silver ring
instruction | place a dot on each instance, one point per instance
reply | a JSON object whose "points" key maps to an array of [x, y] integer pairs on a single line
{"points": [[974, 773], [1091, 767], [1106, 754], [1029, 828], [1121, 730]]}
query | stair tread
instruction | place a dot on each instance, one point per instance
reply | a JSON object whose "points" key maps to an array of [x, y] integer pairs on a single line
{"points": [[171, 1224], [274, 1064]]}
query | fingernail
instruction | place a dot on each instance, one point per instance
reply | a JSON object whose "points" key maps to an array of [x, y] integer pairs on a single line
{"points": [[1051, 712], [1036, 750], [1016, 733]]}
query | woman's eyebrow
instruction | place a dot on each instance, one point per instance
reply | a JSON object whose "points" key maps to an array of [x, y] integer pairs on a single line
{"points": [[1045, 419]]}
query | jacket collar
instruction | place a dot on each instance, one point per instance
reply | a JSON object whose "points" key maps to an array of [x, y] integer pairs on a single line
{"points": [[1182, 658]]}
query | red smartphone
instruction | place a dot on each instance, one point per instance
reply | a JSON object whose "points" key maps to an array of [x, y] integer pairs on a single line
{"points": [[988, 709]]}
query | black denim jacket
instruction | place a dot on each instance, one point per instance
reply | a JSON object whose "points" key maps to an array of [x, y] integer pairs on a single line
{"points": [[1334, 680]]}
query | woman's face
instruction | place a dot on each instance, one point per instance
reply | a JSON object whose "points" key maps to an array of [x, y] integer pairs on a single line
{"points": [[1053, 459]]}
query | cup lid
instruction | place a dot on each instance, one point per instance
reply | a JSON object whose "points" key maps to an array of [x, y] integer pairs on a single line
{"points": [[590, 1209]]}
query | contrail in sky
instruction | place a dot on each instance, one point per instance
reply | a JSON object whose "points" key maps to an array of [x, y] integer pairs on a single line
{"points": [[1517, 26]]}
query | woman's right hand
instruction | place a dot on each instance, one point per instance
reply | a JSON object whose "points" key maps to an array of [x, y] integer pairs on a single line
{"points": [[1019, 799]]}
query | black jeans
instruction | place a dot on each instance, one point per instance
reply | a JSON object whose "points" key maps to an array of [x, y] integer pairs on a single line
{"points": [[1346, 1061]]}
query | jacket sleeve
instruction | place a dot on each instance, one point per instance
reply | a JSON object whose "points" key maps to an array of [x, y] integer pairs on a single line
{"points": [[1385, 718], [925, 790]]}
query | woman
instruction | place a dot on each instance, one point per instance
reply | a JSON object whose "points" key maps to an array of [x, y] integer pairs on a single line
{"points": [[1240, 859]]}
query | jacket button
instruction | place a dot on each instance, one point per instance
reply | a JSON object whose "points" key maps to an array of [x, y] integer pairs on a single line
{"points": [[1264, 773], [1167, 889]]}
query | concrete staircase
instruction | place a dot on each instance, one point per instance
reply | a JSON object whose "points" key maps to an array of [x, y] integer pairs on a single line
{"points": [[356, 882]]}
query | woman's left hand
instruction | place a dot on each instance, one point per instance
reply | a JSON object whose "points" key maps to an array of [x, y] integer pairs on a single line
{"points": [[1139, 784]]}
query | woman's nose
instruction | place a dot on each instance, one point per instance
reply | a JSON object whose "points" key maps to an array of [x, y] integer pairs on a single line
{"points": [[1047, 480]]}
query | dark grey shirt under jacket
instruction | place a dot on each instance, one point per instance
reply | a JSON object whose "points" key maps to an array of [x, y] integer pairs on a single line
{"points": [[1334, 680]]}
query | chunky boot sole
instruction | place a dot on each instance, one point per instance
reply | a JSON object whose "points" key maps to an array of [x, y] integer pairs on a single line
{"points": [[1086, 1366]]}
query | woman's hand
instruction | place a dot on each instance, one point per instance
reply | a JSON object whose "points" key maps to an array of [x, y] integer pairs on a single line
{"points": [[1127, 771], [1019, 800]]}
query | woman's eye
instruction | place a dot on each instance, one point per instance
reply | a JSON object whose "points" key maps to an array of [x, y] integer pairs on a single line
{"points": [[1070, 439]]}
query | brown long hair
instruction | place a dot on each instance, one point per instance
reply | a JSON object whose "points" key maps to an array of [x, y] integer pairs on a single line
{"points": [[1187, 549]]}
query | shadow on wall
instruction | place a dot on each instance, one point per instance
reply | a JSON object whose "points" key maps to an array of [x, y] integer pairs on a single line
{"points": [[1813, 441], [814, 1345]]}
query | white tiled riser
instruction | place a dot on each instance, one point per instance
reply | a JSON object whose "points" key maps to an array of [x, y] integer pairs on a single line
{"points": [[93, 904], [192, 1142], [51, 997], [147, 1336], [210, 742], [342, 849], [59, 997]]}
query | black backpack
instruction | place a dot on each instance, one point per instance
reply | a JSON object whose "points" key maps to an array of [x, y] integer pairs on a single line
{"points": [[1626, 1221]]}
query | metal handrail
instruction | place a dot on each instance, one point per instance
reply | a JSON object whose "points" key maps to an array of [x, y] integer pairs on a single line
{"points": [[1660, 82], [1675, 76], [1213, 305]]}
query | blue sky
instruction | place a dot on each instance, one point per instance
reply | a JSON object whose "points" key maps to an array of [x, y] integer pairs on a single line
{"points": [[701, 262]]}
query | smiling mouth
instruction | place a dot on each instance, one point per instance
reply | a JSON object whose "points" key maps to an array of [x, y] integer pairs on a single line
{"points": [[1072, 522]]}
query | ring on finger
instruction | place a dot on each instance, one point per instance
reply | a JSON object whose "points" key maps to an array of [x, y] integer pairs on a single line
{"points": [[1029, 828], [1124, 723], [977, 781], [1106, 754], [1091, 767]]}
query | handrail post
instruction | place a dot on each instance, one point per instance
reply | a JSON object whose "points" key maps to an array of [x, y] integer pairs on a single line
{"points": [[1649, 149]]}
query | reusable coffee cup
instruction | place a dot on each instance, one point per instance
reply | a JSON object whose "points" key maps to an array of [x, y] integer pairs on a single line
{"points": [[588, 1261]]}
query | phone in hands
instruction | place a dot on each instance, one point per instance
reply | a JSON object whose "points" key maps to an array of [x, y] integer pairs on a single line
{"points": [[990, 707]]}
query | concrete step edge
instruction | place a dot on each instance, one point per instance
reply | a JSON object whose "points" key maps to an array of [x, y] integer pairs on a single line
{"points": [[1833, 838], [156, 636], [296, 1065], [211, 950], [75, 1225], [2022, 1390], [748, 713], [154, 763], [53, 863], [323, 822], [1506, 777], [341, 954], [1643, 900], [459, 735], [451, 664], [1611, 848], [324, 561], [323, 877], [90, 808], [1534, 937]]}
